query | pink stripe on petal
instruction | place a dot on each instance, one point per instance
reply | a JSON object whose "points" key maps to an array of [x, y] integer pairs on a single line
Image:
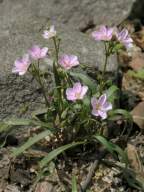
{"points": [[102, 99], [94, 101]]}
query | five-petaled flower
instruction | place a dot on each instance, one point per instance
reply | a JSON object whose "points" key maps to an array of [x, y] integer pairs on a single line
{"points": [[103, 34], [77, 92], [124, 38], [37, 52], [21, 65], [68, 61], [47, 34], [100, 106]]}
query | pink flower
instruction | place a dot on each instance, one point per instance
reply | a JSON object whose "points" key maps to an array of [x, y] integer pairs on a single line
{"points": [[77, 92], [21, 65], [124, 38], [103, 34], [49, 34], [100, 106], [38, 53], [68, 61]]}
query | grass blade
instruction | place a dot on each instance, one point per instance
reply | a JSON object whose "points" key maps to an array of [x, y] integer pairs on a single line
{"points": [[57, 151], [31, 141], [74, 184]]}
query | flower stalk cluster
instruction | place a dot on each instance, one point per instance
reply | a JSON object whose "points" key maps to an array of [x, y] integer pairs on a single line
{"points": [[73, 102]]}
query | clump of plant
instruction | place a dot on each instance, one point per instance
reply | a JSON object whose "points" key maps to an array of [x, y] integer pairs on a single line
{"points": [[78, 107]]}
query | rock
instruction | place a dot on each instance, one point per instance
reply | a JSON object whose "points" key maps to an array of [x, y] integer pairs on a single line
{"points": [[22, 20], [137, 62], [44, 187], [139, 38], [18, 96], [133, 85], [138, 115], [137, 11], [22, 23], [11, 188]]}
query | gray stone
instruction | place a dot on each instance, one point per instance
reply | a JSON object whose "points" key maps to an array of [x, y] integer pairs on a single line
{"points": [[22, 23]]}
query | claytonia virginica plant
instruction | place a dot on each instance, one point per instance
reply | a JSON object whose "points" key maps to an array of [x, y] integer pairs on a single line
{"points": [[78, 106]]}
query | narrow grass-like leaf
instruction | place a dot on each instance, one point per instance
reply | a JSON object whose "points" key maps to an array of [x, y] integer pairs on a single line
{"points": [[4, 127], [31, 141], [7, 125], [57, 151], [122, 112], [74, 184], [113, 148], [16, 122]]}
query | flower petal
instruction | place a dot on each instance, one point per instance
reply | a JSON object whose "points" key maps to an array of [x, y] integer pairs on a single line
{"points": [[102, 99], [70, 94], [44, 51], [83, 91], [95, 113], [94, 101], [107, 106], [73, 59], [102, 114], [77, 88]]}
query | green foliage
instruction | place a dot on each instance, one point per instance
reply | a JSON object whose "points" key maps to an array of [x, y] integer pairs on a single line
{"points": [[74, 184], [31, 141], [58, 151], [73, 117], [112, 148], [137, 74], [122, 112], [111, 92]]}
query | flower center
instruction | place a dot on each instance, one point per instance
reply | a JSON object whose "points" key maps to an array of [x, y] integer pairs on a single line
{"points": [[97, 106], [77, 95]]}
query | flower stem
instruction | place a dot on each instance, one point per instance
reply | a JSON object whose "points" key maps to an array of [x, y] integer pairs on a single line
{"points": [[39, 80], [56, 74], [104, 69]]}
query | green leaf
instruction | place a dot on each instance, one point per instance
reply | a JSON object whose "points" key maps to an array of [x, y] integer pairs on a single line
{"points": [[74, 184], [31, 141], [39, 112], [4, 127], [138, 74], [85, 79], [111, 91], [64, 113], [57, 151], [17, 122], [7, 125], [113, 148], [122, 112]]}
